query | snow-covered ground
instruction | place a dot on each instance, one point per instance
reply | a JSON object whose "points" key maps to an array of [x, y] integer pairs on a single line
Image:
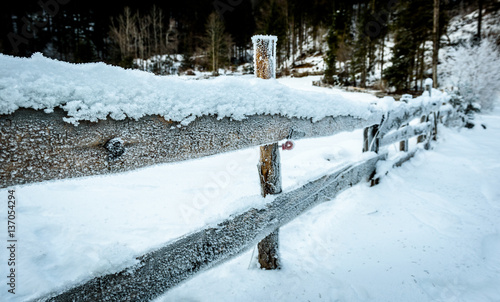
{"points": [[429, 231]]}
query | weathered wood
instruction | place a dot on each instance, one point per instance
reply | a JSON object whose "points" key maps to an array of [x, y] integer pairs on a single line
{"points": [[166, 267], [269, 251], [270, 183], [403, 145], [371, 141], [36, 146], [406, 133], [430, 134], [270, 164], [395, 119], [435, 128], [269, 169], [265, 56], [421, 138]]}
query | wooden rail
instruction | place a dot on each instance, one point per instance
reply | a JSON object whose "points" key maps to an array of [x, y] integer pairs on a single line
{"points": [[36, 146], [164, 268]]}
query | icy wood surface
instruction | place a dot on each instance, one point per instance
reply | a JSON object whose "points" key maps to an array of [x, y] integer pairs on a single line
{"points": [[164, 268], [264, 56], [37, 146], [406, 133]]}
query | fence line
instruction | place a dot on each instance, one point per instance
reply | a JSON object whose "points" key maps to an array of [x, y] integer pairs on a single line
{"points": [[166, 267]]}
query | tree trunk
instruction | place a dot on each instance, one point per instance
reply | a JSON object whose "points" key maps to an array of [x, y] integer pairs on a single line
{"points": [[435, 50], [382, 59], [479, 20]]}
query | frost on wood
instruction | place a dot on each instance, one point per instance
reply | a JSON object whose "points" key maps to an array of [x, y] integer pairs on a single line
{"points": [[264, 56], [270, 169], [37, 146], [166, 267], [269, 251], [405, 133], [115, 148], [270, 183]]}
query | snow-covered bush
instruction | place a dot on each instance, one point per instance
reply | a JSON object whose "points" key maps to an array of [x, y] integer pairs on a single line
{"points": [[475, 71]]}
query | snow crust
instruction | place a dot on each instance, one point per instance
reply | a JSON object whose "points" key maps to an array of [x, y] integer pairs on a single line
{"points": [[95, 91]]}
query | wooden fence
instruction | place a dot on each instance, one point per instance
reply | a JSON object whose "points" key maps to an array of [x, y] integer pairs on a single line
{"points": [[179, 260], [37, 146]]}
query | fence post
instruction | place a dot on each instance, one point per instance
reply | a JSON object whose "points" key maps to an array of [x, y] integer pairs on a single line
{"points": [[421, 138], [436, 121], [269, 165], [371, 142], [403, 145], [370, 139]]}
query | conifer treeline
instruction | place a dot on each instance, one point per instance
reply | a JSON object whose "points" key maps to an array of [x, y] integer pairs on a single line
{"points": [[351, 35]]}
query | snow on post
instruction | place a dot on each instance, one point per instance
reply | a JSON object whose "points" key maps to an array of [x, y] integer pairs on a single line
{"points": [[264, 56]]}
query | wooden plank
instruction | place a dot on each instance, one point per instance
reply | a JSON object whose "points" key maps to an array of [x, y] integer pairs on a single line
{"points": [[404, 144], [394, 119], [371, 140], [36, 146], [405, 133], [162, 269]]}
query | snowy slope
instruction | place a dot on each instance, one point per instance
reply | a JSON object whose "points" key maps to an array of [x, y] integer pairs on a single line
{"points": [[463, 28], [429, 232], [94, 91]]}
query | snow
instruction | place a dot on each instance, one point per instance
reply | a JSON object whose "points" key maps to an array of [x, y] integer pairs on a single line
{"points": [[95, 91], [75, 229], [474, 71], [463, 28], [428, 232]]}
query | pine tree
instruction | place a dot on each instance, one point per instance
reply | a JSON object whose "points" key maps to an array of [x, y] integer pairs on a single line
{"points": [[338, 34]]}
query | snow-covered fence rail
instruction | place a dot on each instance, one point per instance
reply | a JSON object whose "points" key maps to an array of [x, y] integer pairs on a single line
{"points": [[36, 146], [177, 261], [164, 268], [61, 120]]}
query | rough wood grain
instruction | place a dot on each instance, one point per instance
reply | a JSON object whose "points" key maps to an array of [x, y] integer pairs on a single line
{"points": [[270, 184], [36, 146]]}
